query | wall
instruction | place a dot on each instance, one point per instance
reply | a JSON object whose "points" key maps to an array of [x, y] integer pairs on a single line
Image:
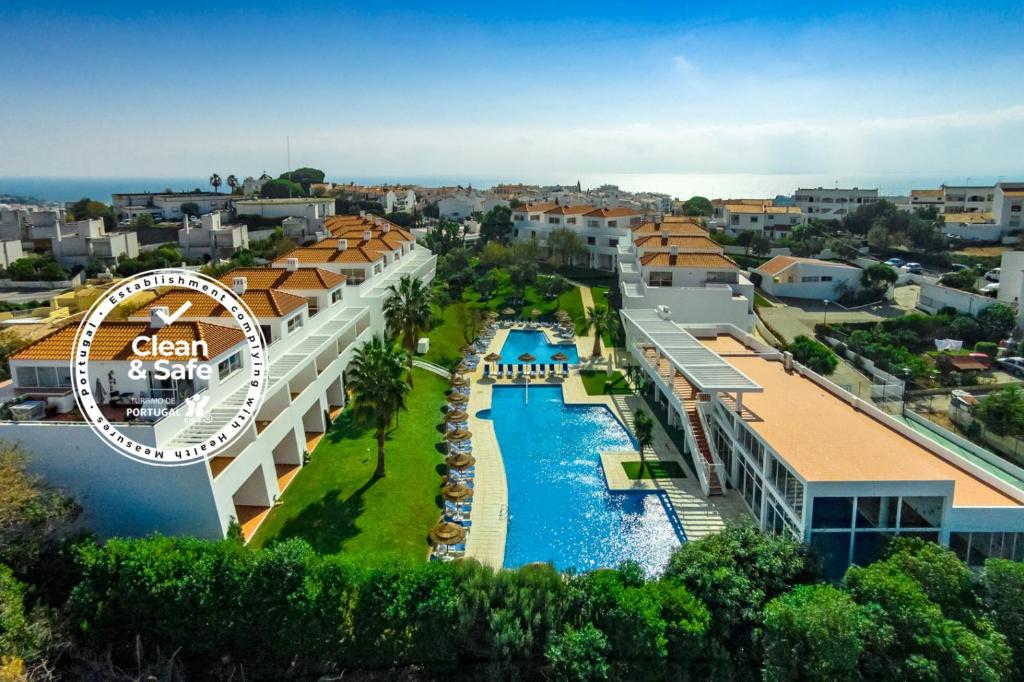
{"points": [[934, 297], [811, 290], [696, 305], [1011, 276]]}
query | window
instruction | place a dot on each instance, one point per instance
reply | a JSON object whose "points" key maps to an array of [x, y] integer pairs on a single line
{"points": [[613, 243], [734, 220], [810, 278], [591, 241], [591, 223], [660, 279], [754, 218], [826, 278], [535, 218], [226, 368], [336, 295], [786, 484], [921, 512], [44, 377], [877, 512], [311, 303], [832, 512], [553, 221], [294, 323], [520, 216], [570, 221], [613, 223], [727, 277], [974, 548]]}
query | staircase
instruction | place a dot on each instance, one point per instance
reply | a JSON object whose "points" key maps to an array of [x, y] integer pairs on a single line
{"points": [[687, 394]]}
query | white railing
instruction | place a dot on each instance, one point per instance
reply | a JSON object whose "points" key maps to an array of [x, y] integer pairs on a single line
{"points": [[719, 466]]}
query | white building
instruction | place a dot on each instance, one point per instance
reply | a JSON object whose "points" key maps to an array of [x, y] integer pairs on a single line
{"points": [[167, 205], [462, 205], [285, 208], [399, 200], [810, 460], [251, 187], [673, 263], [774, 221], [832, 204], [78, 242], [792, 277], [308, 353], [210, 238], [602, 229]]}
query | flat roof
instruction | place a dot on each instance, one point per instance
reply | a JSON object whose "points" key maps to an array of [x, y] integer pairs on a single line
{"points": [[825, 439]]}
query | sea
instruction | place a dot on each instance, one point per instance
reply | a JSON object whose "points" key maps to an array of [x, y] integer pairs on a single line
{"points": [[681, 185]]}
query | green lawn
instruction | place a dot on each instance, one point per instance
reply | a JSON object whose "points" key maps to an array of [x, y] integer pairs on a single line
{"points": [[676, 435], [446, 338], [761, 302], [596, 383], [655, 469], [336, 504]]}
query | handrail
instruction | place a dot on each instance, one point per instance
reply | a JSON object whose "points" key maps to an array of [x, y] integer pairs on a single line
{"points": [[431, 367], [703, 470], [719, 465]]}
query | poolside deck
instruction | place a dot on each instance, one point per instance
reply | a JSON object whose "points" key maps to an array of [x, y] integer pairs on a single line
{"points": [[698, 515]]}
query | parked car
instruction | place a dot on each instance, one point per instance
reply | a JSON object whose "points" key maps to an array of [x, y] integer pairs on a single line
{"points": [[990, 289], [1012, 365], [992, 275], [957, 267], [894, 262], [914, 268]]}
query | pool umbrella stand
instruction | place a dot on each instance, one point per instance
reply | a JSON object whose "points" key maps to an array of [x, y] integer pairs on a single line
{"points": [[526, 357], [458, 436], [447, 533], [462, 367], [456, 492], [458, 399], [469, 349], [560, 357], [508, 312], [460, 381], [456, 416], [461, 460]]}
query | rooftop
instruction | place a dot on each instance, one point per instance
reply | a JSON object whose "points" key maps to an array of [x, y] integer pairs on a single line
{"points": [[262, 302], [316, 254], [682, 242], [113, 341], [689, 227], [279, 278], [688, 260], [978, 218], [780, 263]]}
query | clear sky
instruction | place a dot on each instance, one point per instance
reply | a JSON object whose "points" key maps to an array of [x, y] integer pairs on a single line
{"points": [[133, 88]]}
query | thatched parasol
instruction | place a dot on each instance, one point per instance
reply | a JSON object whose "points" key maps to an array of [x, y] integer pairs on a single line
{"points": [[492, 357], [526, 357], [469, 349], [535, 313], [560, 357], [456, 492], [458, 399], [461, 460], [460, 381], [447, 533], [508, 311], [561, 315], [463, 367], [456, 416], [458, 435]]}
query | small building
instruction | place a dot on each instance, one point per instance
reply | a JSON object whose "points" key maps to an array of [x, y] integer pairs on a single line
{"points": [[792, 277], [79, 242], [167, 205], [774, 221], [211, 238], [833, 204], [285, 208]]}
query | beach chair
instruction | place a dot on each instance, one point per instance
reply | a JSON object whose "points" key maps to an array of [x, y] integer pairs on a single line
{"points": [[551, 370], [565, 370], [521, 373], [533, 371], [487, 371]]}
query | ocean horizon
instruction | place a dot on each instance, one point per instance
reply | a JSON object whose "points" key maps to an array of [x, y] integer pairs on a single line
{"points": [[681, 185]]}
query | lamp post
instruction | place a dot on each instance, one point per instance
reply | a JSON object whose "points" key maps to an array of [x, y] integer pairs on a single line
{"points": [[824, 322], [906, 383]]}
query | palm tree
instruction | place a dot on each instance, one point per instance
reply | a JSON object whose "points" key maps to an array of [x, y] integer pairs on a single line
{"points": [[643, 427], [215, 181], [378, 387], [598, 320], [232, 182], [407, 313]]}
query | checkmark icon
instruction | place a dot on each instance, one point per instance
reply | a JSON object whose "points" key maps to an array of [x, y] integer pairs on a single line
{"points": [[171, 319]]}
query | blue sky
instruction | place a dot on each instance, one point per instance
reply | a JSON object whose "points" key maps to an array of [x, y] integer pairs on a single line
{"points": [[118, 88]]}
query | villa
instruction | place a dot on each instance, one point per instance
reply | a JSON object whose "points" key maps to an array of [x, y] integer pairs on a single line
{"points": [[312, 319], [774, 221], [810, 459], [812, 278], [603, 229]]}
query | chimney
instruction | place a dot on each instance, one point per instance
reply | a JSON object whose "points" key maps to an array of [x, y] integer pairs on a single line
{"points": [[239, 285], [674, 250], [386, 228], [155, 319], [367, 235], [342, 244], [377, 220], [664, 240], [320, 236], [787, 360], [293, 264], [362, 214]]}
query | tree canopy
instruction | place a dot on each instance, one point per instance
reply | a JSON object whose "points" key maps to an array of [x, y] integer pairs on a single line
{"points": [[304, 177], [697, 206], [497, 225], [814, 355]]}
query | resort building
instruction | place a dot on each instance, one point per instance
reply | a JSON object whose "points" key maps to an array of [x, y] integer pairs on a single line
{"points": [[832, 204], [811, 460], [792, 277], [926, 198], [312, 321], [603, 229], [774, 221], [674, 263], [285, 208], [167, 205], [81, 241]]}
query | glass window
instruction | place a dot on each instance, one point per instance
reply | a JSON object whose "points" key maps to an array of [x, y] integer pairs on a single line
{"points": [[47, 376], [226, 367], [869, 546], [921, 512], [834, 551], [336, 296], [26, 376], [832, 512], [877, 512], [294, 323], [64, 377]]}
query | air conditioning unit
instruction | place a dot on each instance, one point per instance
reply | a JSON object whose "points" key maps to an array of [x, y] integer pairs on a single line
{"points": [[30, 410]]}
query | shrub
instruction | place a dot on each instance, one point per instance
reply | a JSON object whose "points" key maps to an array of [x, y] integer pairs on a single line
{"points": [[989, 348], [814, 355], [965, 328], [996, 321], [579, 654]]}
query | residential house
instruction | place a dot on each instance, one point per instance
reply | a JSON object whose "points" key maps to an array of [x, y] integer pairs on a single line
{"points": [[810, 278]]}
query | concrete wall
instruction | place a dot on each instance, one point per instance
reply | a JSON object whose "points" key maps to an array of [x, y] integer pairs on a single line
{"points": [[792, 286], [934, 297]]}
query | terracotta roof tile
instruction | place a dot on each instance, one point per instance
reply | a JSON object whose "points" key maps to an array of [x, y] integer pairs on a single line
{"points": [[685, 243], [780, 263], [313, 254], [262, 302], [113, 341], [614, 212], [570, 210], [692, 228], [278, 278], [688, 260]]}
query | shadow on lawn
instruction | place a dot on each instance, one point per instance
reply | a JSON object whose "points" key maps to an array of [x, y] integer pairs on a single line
{"points": [[331, 522]]}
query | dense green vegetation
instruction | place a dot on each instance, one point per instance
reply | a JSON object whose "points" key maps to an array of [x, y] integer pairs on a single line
{"points": [[35, 269], [814, 355]]}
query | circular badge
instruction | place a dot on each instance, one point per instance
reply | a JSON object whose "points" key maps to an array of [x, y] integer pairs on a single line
{"points": [[170, 390]]}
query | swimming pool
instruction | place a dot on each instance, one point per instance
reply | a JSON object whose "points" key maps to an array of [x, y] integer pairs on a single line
{"points": [[560, 509], [521, 341]]}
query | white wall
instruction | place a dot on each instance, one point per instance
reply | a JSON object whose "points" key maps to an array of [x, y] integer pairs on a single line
{"points": [[791, 285], [935, 297]]}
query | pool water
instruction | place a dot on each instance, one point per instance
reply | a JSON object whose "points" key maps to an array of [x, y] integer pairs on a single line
{"points": [[560, 509], [536, 344]]}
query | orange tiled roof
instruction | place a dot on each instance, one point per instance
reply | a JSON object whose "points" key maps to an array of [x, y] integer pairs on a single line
{"points": [[780, 263], [690, 243], [313, 254], [113, 341], [1014, 192], [614, 212], [688, 260], [379, 241], [926, 192], [262, 303], [690, 228], [570, 210], [346, 223], [533, 208], [278, 278]]}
